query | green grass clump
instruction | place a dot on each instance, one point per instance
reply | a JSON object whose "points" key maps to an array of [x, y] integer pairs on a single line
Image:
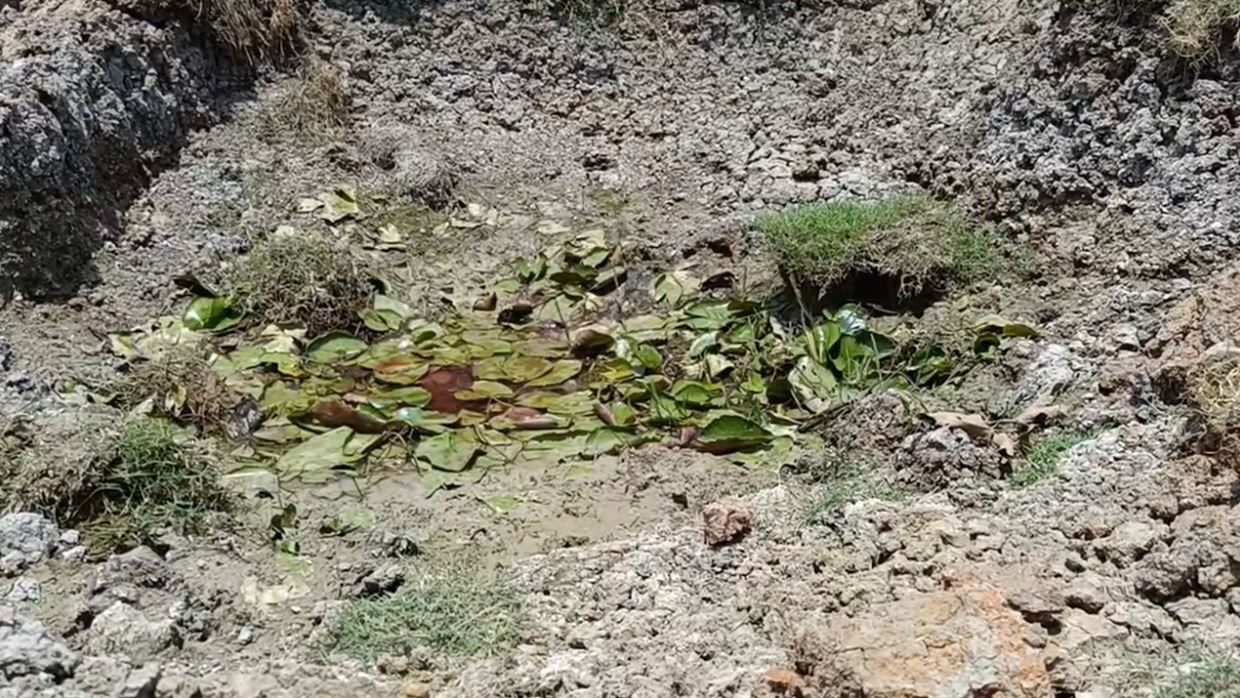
{"points": [[1197, 26], [1208, 674], [917, 242], [455, 610], [156, 480], [1044, 455], [181, 384], [301, 280]]}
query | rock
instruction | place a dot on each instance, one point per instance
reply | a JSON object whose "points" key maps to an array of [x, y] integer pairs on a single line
{"points": [[959, 643], [726, 521], [1048, 375], [141, 567], [384, 580], [932, 461], [245, 636], [25, 539], [24, 590], [1128, 541], [1143, 619], [105, 676], [1087, 592], [414, 689], [27, 649], [124, 631], [1083, 629]]}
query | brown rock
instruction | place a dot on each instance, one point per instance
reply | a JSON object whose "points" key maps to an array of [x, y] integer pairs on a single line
{"points": [[414, 689], [785, 682], [959, 643], [726, 521]]}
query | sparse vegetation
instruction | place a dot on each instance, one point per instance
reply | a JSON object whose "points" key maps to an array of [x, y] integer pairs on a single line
{"points": [[1197, 27], [1043, 456], [455, 609], [916, 243], [839, 494], [314, 105], [181, 384], [1205, 674], [301, 280]]}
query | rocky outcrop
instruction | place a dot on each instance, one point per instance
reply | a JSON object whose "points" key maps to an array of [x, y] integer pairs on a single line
{"points": [[93, 102]]}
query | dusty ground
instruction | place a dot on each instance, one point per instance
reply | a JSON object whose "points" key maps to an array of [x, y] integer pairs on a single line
{"points": [[1069, 126]]}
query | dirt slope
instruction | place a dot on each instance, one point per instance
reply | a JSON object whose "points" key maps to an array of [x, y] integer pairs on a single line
{"points": [[1070, 126]]}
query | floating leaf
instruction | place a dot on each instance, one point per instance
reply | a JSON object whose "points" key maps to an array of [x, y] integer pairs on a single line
{"points": [[694, 393], [665, 411], [402, 370], [649, 357], [424, 420], [452, 451], [211, 315], [484, 390], [729, 433], [612, 440], [560, 372], [339, 446], [703, 343], [523, 369], [333, 347], [411, 396]]}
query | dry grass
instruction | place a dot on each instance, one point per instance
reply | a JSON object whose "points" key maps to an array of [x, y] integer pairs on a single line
{"points": [[181, 384], [913, 242], [301, 280], [314, 105], [1214, 390], [255, 31], [1197, 26]]}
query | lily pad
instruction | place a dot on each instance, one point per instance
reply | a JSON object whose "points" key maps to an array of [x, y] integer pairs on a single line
{"points": [[452, 451], [729, 433], [211, 315], [340, 446], [335, 346], [561, 371]]}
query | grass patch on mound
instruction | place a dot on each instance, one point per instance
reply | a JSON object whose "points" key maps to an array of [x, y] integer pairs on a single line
{"points": [[181, 385], [158, 480], [120, 485], [911, 244], [1213, 389], [1197, 27], [454, 609], [301, 280]]}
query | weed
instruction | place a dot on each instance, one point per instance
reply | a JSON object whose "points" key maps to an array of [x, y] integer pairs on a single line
{"points": [[158, 479], [1213, 389], [182, 385], [1207, 674], [454, 609], [913, 242], [839, 494], [1197, 26], [254, 31], [1043, 456], [314, 105], [301, 280]]}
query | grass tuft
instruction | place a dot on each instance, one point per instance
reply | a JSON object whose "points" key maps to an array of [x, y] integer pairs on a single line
{"points": [[301, 280], [314, 105], [157, 480], [454, 609], [915, 242], [839, 494], [1213, 389], [1043, 456], [1197, 26]]}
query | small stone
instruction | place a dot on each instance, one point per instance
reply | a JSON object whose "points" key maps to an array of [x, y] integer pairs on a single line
{"points": [[245, 636], [75, 554], [25, 590], [70, 538], [383, 580], [1128, 542], [415, 689], [726, 521], [25, 539], [123, 630]]}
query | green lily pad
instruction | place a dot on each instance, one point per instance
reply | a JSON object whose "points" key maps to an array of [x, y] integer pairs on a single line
{"points": [[211, 315], [729, 433], [402, 370], [340, 446], [484, 390], [561, 371], [453, 451], [335, 346]]}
